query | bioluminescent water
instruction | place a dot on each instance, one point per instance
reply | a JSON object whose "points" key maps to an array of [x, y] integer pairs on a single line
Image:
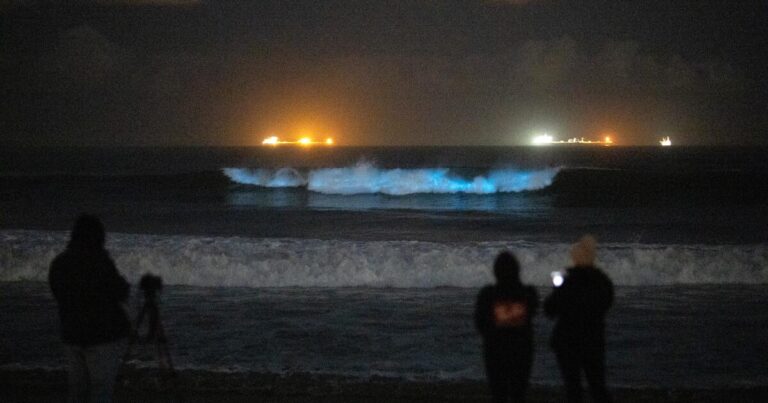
{"points": [[365, 178]]}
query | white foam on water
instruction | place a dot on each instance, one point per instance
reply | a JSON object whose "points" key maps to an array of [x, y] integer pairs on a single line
{"points": [[265, 262], [283, 177]]}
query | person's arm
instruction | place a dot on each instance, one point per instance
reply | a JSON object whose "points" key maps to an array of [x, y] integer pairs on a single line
{"points": [[54, 279], [533, 302], [553, 305], [482, 308], [115, 285], [608, 293]]}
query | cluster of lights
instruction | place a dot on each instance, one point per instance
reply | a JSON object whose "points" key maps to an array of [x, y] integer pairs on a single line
{"points": [[545, 139], [304, 141]]}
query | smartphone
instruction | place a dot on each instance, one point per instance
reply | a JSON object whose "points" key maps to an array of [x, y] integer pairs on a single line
{"points": [[557, 278]]}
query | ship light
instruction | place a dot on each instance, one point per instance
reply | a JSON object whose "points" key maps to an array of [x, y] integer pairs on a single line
{"points": [[542, 139]]}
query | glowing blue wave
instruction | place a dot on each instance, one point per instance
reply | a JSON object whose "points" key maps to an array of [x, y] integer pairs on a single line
{"points": [[364, 178], [281, 178]]}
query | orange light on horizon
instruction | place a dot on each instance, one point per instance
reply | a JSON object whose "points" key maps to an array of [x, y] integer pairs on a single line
{"points": [[303, 141], [271, 141]]}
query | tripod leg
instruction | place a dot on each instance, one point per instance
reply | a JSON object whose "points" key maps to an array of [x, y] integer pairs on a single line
{"points": [[163, 354], [133, 338], [165, 362]]}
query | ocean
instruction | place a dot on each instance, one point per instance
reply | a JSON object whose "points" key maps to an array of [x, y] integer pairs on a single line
{"points": [[365, 261]]}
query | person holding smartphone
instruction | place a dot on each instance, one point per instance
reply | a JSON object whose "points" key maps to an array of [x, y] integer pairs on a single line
{"points": [[579, 302], [503, 316]]}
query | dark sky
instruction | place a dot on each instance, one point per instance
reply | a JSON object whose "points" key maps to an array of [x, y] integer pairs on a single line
{"points": [[379, 72]]}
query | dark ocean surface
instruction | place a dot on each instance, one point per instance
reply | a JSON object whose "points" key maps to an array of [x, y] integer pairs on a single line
{"points": [[366, 261]]}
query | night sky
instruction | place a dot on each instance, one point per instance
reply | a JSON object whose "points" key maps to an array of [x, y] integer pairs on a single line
{"points": [[379, 72]]}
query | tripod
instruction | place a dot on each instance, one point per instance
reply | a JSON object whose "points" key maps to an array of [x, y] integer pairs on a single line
{"points": [[155, 332]]}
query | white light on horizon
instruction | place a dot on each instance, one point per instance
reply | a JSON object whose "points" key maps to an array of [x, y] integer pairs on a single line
{"points": [[542, 139]]}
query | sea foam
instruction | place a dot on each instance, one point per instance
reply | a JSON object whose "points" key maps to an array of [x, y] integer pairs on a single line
{"points": [[263, 262], [367, 178]]}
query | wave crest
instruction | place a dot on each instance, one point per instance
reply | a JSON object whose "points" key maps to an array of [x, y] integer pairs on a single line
{"points": [[365, 178], [251, 262]]}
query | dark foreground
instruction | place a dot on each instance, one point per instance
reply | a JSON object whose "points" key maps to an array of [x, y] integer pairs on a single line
{"points": [[200, 386]]}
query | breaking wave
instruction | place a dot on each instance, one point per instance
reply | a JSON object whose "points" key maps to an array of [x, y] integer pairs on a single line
{"points": [[258, 262], [366, 178]]}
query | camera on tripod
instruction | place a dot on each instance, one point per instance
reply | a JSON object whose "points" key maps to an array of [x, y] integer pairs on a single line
{"points": [[151, 284]]}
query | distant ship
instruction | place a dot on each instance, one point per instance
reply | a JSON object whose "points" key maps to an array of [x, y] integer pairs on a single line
{"points": [[304, 141], [546, 139], [665, 142]]}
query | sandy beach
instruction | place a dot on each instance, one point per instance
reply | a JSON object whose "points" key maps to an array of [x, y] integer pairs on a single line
{"points": [[200, 386]]}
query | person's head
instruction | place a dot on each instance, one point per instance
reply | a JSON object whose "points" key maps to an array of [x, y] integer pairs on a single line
{"points": [[583, 252], [506, 268], [87, 233]]}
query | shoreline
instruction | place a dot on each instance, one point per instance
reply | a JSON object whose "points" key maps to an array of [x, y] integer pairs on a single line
{"points": [[149, 385]]}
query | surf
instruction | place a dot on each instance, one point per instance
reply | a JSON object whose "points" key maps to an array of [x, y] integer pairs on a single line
{"points": [[366, 178], [293, 262]]}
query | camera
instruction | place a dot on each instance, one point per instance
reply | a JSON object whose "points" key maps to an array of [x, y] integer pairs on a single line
{"points": [[557, 278], [151, 284]]}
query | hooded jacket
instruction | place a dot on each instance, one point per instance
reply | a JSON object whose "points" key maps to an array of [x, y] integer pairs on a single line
{"points": [[89, 292], [504, 314]]}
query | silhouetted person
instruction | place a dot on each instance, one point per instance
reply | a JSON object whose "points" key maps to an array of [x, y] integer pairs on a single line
{"points": [[89, 292], [579, 305], [503, 317]]}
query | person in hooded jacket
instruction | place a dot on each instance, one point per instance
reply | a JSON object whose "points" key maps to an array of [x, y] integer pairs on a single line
{"points": [[90, 292], [579, 305], [503, 316]]}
